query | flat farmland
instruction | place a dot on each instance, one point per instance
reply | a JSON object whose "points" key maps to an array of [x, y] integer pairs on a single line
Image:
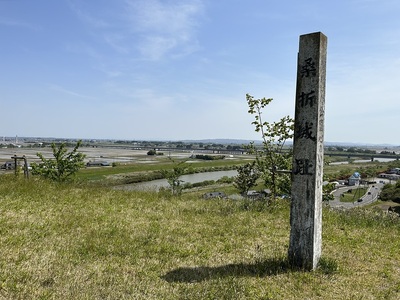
{"points": [[127, 164], [109, 154]]}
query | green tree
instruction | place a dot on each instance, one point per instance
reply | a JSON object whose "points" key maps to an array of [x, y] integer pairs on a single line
{"points": [[246, 178], [152, 152], [173, 177], [391, 192], [370, 173], [344, 173], [64, 164], [327, 190], [272, 159]]}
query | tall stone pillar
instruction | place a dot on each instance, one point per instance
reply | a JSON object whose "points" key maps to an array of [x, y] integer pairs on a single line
{"points": [[308, 153]]}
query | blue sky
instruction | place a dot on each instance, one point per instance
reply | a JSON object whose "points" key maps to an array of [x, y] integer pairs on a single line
{"points": [[180, 69]]}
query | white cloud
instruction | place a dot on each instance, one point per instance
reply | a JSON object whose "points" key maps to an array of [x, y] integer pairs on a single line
{"points": [[154, 28], [165, 27]]}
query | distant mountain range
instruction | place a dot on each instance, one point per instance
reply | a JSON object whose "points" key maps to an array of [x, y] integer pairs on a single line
{"points": [[222, 141], [359, 144]]}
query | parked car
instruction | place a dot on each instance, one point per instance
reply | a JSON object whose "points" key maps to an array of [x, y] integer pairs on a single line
{"points": [[9, 165]]}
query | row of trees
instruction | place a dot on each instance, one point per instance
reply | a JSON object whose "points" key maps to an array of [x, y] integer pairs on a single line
{"points": [[351, 150], [209, 157]]}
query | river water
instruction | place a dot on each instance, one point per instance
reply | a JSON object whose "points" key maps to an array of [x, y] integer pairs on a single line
{"points": [[190, 178], [363, 161], [199, 177]]}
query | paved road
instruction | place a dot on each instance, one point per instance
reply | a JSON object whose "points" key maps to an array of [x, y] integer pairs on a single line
{"points": [[371, 195]]}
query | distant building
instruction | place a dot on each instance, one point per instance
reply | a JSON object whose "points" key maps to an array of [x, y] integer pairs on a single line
{"points": [[389, 176], [394, 171], [355, 179]]}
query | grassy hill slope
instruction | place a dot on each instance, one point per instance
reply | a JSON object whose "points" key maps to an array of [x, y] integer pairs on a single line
{"points": [[78, 242]]}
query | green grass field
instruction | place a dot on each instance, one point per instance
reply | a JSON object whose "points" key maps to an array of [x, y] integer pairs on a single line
{"points": [[80, 242], [354, 195], [134, 172]]}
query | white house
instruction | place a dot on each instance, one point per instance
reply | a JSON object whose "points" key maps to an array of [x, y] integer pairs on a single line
{"points": [[355, 179]]}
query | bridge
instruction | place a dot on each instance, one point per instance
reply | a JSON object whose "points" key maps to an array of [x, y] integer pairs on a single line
{"points": [[370, 156], [240, 151]]}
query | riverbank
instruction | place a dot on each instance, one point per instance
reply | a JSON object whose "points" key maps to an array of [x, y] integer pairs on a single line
{"points": [[155, 185]]}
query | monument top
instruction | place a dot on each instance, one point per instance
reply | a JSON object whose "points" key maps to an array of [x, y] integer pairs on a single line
{"points": [[312, 33]]}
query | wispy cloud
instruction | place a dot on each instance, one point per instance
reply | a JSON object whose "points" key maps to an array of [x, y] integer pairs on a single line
{"points": [[117, 41], [84, 48], [140, 96], [154, 28], [69, 92], [88, 18], [165, 27], [17, 23]]}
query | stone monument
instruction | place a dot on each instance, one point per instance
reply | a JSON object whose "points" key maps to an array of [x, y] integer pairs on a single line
{"points": [[308, 153]]}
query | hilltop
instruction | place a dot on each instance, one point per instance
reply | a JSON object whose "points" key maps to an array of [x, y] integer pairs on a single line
{"points": [[77, 241]]}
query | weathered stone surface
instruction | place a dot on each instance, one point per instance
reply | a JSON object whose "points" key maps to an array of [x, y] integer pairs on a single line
{"points": [[306, 205]]}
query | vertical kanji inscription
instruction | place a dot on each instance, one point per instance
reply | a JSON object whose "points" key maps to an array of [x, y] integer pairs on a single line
{"points": [[306, 205]]}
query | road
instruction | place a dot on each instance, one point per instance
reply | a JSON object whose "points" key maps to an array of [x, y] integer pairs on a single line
{"points": [[370, 196]]}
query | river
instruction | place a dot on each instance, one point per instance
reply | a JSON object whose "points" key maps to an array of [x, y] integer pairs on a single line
{"points": [[190, 178], [199, 177], [363, 161]]}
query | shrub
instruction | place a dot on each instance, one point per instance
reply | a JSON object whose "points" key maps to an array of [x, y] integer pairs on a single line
{"points": [[64, 165], [152, 152], [209, 157], [391, 192]]}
